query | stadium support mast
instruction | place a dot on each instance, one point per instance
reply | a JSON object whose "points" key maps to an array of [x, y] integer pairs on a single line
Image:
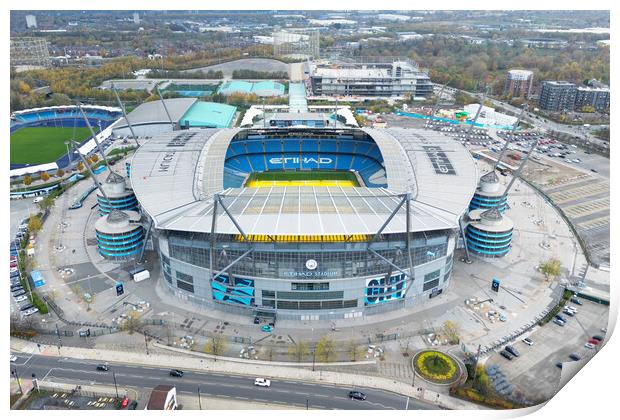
{"points": [[165, 107], [518, 173], [436, 106], [92, 175], [92, 132], [514, 128], [484, 98], [118, 99]]}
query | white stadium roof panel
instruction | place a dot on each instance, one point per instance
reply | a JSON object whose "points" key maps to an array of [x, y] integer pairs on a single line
{"points": [[175, 176]]}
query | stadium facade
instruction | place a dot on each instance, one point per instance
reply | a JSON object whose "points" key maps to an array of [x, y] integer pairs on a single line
{"points": [[384, 241]]}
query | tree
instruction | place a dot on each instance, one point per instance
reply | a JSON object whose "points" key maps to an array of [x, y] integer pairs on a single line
{"points": [[216, 345], [325, 349], [551, 268], [298, 351], [94, 158], [80, 166], [27, 180], [354, 350], [133, 322], [60, 173], [34, 224], [451, 330]]}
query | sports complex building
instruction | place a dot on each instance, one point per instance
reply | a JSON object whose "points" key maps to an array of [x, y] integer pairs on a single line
{"points": [[304, 223]]}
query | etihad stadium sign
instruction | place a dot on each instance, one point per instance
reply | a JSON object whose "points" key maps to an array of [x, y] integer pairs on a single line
{"points": [[305, 160]]}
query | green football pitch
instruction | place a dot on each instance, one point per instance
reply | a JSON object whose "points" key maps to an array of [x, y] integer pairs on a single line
{"points": [[37, 145], [302, 178]]}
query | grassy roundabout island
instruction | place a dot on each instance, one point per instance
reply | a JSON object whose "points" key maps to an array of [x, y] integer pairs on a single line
{"points": [[437, 367]]}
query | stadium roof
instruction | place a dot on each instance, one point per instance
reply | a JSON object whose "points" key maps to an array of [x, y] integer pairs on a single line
{"points": [[154, 112], [175, 176]]}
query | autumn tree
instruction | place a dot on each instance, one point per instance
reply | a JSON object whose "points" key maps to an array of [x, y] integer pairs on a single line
{"points": [[325, 349], [27, 180], [298, 351], [551, 268]]}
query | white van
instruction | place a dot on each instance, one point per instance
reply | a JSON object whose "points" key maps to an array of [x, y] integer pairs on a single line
{"points": [[141, 275], [37, 200]]}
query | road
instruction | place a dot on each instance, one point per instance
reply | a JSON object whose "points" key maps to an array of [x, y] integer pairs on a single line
{"points": [[219, 385]]}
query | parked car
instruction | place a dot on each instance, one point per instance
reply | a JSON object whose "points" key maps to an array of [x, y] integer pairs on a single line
{"points": [[559, 364], [262, 382], [132, 405], [597, 337], [594, 341], [560, 317], [176, 372], [576, 301], [357, 395], [559, 322], [26, 307], [13, 358], [19, 292], [589, 345], [528, 341], [266, 328], [568, 312], [30, 311], [574, 356], [507, 355], [512, 351], [21, 298], [103, 367]]}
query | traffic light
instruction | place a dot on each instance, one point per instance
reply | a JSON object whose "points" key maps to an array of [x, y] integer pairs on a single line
{"points": [[495, 285], [119, 289]]}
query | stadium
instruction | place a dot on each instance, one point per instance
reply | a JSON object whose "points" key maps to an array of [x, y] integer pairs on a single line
{"points": [[304, 223], [38, 135]]}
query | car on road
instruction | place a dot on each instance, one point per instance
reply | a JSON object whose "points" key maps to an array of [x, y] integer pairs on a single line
{"points": [[103, 367], [576, 301], [506, 355], [528, 341], [512, 351], [357, 395], [559, 364], [13, 358], [266, 328], [589, 345], [594, 170], [574, 356], [559, 322], [176, 372], [256, 320], [262, 382]]}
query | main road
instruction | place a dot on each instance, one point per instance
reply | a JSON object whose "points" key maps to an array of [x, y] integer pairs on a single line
{"points": [[218, 385]]}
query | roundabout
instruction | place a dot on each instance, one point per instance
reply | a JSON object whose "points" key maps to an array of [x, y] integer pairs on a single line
{"points": [[436, 367]]}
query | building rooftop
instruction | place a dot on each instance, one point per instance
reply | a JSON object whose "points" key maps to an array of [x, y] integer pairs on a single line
{"points": [[154, 112], [158, 397]]}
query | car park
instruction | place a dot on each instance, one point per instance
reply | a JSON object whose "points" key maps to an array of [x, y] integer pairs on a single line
{"points": [[357, 395], [262, 382], [176, 372], [506, 355], [512, 351], [528, 341], [574, 356]]}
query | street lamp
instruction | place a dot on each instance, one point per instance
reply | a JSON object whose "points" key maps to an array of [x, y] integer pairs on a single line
{"points": [[14, 372], [115, 386]]}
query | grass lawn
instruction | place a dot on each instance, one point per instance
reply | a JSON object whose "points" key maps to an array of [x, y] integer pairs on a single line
{"points": [[37, 145], [302, 178]]}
